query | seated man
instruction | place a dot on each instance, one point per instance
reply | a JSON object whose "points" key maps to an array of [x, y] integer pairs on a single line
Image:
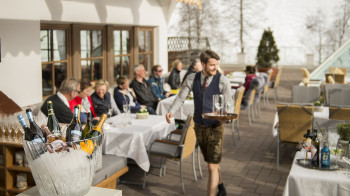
{"points": [[69, 89], [156, 80], [143, 90]]}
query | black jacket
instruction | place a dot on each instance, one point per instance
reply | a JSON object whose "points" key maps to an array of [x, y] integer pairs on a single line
{"points": [[144, 93], [101, 106], [174, 79], [61, 110]]}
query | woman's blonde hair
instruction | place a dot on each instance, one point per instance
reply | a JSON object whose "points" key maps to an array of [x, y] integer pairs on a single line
{"points": [[101, 83], [175, 63]]}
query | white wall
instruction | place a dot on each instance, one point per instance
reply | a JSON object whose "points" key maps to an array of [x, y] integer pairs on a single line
{"points": [[20, 67], [24, 27]]}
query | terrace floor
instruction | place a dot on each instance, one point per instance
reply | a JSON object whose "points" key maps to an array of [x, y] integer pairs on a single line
{"points": [[247, 168]]}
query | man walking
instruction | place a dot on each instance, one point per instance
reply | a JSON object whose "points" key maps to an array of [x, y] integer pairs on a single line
{"points": [[210, 133]]}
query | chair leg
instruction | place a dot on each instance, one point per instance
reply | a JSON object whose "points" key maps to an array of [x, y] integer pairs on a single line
{"points": [[233, 130], [182, 183], [194, 166], [237, 127], [267, 98], [259, 108], [252, 112], [275, 94], [250, 123], [278, 151], [199, 161]]}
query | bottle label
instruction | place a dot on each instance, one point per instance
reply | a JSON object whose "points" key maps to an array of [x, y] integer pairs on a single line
{"points": [[37, 140], [22, 121], [75, 135], [50, 112], [76, 112]]}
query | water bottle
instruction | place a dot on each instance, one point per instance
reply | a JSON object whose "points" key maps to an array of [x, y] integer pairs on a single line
{"points": [[325, 156]]}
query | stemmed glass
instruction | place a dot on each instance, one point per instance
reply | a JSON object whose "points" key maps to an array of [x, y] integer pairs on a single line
{"points": [[218, 104], [10, 127], [2, 127]]}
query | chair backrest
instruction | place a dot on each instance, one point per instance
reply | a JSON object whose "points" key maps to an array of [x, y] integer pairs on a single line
{"points": [[252, 96], [258, 83], [278, 77], [294, 121], [339, 78], [339, 96], [306, 76], [188, 123], [189, 141], [238, 99], [336, 70], [305, 94], [328, 88], [339, 113]]}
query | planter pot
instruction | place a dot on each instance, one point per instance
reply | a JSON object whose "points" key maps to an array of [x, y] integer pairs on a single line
{"points": [[318, 108]]}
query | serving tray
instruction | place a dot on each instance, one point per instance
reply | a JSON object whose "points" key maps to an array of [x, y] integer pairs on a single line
{"points": [[221, 117], [307, 164]]}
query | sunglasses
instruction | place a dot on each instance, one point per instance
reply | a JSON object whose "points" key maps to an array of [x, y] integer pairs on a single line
{"points": [[159, 70]]}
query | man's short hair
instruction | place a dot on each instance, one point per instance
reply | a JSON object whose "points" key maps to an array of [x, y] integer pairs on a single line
{"points": [[207, 54], [68, 85], [137, 67]]}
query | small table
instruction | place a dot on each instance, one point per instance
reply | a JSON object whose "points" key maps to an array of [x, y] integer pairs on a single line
{"points": [[312, 182], [131, 141], [94, 191], [186, 109]]}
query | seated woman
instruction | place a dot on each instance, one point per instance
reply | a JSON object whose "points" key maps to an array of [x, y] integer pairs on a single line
{"points": [[156, 80], [195, 67], [174, 77], [102, 100], [124, 95], [250, 74], [84, 99]]}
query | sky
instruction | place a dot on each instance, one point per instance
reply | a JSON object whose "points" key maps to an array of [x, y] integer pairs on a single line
{"points": [[286, 18]]}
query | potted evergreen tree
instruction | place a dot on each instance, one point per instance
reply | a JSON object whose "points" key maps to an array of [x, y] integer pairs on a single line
{"points": [[267, 53]]}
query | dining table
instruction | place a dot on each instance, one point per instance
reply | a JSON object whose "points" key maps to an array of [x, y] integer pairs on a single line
{"points": [[186, 109], [127, 136], [316, 182]]}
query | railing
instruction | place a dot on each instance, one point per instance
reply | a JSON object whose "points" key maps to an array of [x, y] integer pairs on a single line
{"points": [[176, 44]]}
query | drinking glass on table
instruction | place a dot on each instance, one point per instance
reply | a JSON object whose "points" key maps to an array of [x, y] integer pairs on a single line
{"points": [[338, 154]]}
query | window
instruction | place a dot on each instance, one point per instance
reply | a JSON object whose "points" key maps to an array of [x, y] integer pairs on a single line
{"points": [[122, 52], [54, 57], [91, 52], [145, 47]]}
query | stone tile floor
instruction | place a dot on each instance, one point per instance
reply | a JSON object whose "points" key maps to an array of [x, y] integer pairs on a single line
{"points": [[247, 168]]}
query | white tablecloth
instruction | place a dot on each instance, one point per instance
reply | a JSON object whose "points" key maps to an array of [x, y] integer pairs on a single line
{"points": [[131, 141], [311, 182], [186, 109]]}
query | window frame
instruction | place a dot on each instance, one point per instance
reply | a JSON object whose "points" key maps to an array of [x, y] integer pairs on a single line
{"points": [[136, 49], [68, 61]]}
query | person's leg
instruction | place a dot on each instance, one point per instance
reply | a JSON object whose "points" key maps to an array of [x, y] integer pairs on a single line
{"points": [[214, 178]]}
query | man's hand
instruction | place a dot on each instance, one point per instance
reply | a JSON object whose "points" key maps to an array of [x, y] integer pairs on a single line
{"points": [[168, 116], [167, 94]]}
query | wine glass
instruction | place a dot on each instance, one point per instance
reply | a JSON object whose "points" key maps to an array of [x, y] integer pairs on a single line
{"points": [[218, 104]]}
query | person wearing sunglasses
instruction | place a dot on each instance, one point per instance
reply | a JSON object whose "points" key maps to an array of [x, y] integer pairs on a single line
{"points": [[69, 89], [156, 80], [84, 99]]}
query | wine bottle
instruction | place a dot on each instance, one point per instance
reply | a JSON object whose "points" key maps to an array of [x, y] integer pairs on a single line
{"points": [[39, 134], [52, 122], [49, 136], [28, 135], [88, 125], [74, 130], [97, 129], [316, 158]]}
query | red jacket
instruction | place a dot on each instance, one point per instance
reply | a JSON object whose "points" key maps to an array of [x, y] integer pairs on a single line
{"points": [[248, 80], [77, 100]]}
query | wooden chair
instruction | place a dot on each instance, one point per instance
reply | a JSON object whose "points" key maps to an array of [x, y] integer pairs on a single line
{"points": [[294, 120], [335, 78], [277, 82], [176, 151], [339, 113], [306, 76], [330, 79], [238, 100], [342, 69]]}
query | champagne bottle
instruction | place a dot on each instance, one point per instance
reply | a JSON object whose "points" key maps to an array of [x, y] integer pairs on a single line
{"points": [[28, 135], [49, 136], [74, 130], [316, 158], [52, 122], [39, 134], [97, 129], [88, 125]]}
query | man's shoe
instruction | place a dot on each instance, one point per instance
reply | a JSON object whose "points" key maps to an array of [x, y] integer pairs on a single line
{"points": [[222, 190]]}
